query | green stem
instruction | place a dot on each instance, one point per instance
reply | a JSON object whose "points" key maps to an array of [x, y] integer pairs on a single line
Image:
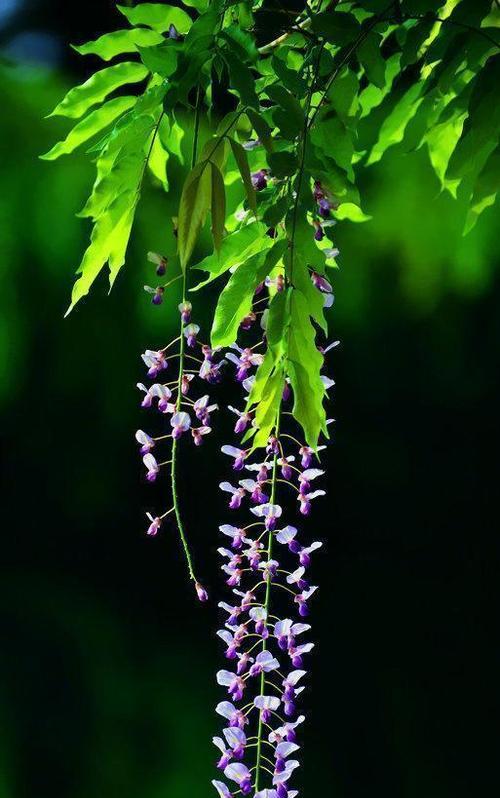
{"points": [[267, 602], [182, 356]]}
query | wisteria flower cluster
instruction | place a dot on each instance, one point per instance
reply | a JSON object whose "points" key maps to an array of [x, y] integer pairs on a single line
{"points": [[265, 563], [173, 371]]}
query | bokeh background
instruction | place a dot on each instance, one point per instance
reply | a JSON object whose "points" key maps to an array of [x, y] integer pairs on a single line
{"points": [[107, 663]]}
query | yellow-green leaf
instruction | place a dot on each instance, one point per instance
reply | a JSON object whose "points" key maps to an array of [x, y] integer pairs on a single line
{"points": [[119, 42], [241, 159], [158, 16], [194, 204], [79, 99], [94, 123], [218, 206]]}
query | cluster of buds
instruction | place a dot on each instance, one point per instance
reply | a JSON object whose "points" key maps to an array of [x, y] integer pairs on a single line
{"points": [[265, 564]]}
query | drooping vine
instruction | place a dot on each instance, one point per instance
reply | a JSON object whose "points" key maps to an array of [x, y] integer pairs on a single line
{"points": [[281, 102]]}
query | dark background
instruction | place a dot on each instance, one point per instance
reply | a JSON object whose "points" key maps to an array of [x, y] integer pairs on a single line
{"points": [[107, 663]]}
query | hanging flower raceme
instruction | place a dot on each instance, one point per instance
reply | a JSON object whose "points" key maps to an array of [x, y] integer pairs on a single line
{"points": [[266, 563], [175, 370]]}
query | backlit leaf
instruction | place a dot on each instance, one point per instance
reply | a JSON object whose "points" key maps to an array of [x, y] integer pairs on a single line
{"points": [[193, 208], [92, 124], [78, 100], [119, 42], [218, 206], [158, 16]]}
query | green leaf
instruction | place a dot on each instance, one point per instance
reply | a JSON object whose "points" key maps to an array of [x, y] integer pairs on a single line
{"points": [[393, 128], [334, 139], [337, 27], [158, 157], [90, 126], [351, 212], [289, 78], [372, 60], [241, 79], [218, 206], [160, 59], [441, 140], [304, 370], [485, 190], [235, 301], [108, 244], [119, 42], [241, 158], [343, 96], [157, 16], [415, 39], [236, 248], [480, 134], [79, 99], [266, 414], [282, 164], [261, 127], [288, 116], [241, 42], [193, 208], [278, 321]]}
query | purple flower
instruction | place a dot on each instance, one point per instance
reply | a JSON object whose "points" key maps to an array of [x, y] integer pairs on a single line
{"points": [[286, 468], [173, 33], [331, 252], [247, 358], [324, 208], [247, 322], [255, 489], [202, 409], [190, 333], [152, 467], [154, 525], [185, 383], [201, 592], [267, 705], [155, 361], [305, 500], [270, 512], [306, 478], [234, 683], [304, 554], [237, 494], [222, 789], [319, 233], [264, 663], [235, 716], [159, 261], [307, 453], [259, 616], [286, 536], [237, 535], [198, 432], [296, 578], [180, 423], [157, 293], [238, 454], [146, 441], [239, 773], [251, 144], [244, 419], [259, 179], [302, 600], [286, 732], [321, 283], [277, 282], [185, 309]]}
